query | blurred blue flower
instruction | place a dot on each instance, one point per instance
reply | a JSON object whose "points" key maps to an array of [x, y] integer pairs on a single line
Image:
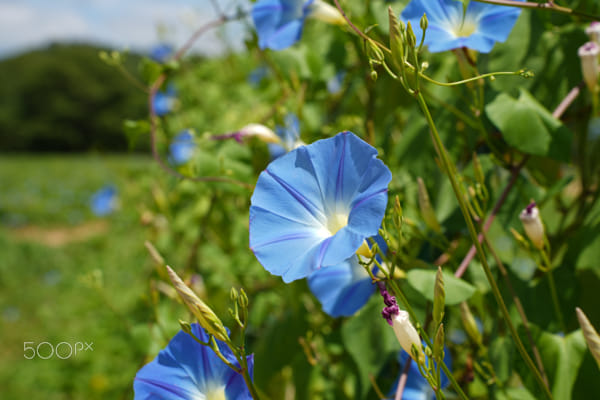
{"points": [[334, 85], [182, 147], [256, 76], [289, 137], [279, 23], [478, 27], [187, 370], [417, 387], [104, 201], [164, 102], [345, 288], [161, 52], [315, 206]]}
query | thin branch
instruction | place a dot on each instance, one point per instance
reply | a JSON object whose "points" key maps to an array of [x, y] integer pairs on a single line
{"points": [[549, 5], [558, 112], [402, 380], [520, 309], [153, 117], [358, 31]]}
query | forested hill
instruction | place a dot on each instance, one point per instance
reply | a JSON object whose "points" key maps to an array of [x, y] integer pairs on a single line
{"points": [[65, 99]]}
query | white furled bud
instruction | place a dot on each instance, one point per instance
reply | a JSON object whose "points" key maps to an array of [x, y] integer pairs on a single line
{"points": [[407, 335], [326, 13], [593, 31], [532, 223], [590, 335], [260, 131], [588, 53]]}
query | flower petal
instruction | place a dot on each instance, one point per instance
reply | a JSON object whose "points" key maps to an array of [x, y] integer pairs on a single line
{"points": [[484, 24], [315, 206], [185, 369], [342, 289]]}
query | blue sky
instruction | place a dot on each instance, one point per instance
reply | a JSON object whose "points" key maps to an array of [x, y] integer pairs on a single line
{"points": [[133, 24]]}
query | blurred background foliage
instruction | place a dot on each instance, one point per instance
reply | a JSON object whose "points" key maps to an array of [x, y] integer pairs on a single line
{"points": [[63, 99], [66, 275]]}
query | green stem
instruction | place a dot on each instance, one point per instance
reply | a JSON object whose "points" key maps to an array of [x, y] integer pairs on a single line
{"points": [[248, 378], [518, 305], [553, 292], [475, 78], [409, 309], [451, 171], [550, 5]]}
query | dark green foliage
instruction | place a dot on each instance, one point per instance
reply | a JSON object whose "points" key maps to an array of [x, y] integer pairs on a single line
{"points": [[64, 98]]}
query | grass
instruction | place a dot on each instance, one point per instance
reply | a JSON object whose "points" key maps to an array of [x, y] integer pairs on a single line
{"points": [[67, 276]]}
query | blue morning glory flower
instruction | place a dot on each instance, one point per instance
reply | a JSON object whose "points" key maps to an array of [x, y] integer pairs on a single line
{"points": [[289, 137], [345, 288], [342, 289], [335, 84], [161, 52], [279, 23], [187, 370], [315, 206], [104, 201], [257, 75], [182, 147], [417, 387], [164, 102], [478, 27]]}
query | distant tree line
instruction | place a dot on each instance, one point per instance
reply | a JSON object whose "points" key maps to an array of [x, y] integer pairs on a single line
{"points": [[65, 99]]}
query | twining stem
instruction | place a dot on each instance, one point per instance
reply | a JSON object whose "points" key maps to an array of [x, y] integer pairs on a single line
{"points": [[475, 78], [553, 292], [450, 170], [558, 112], [153, 117], [404, 301], [518, 305], [402, 380], [358, 31], [549, 5], [247, 378]]}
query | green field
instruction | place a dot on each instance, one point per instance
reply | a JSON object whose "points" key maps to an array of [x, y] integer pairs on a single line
{"points": [[68, 276]]}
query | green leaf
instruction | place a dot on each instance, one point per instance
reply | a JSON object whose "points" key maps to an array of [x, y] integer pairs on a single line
{"points": [[527, 126], [423, 281], [368, 339], [562, 358]]}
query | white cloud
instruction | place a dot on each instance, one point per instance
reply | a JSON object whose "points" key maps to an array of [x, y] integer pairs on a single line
{"points": [[133, 23]]}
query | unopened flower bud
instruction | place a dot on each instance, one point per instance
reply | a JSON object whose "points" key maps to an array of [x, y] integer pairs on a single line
{"points": [[251, 130], [260, 131], [589, 333], [243, 299], [326, 13], [411, 39], [407, 335], [206, 317], [469, 323], [424, 23], [588, 53], [532, 223], [426, 209], [396, 39], [478, 170], [185, 326], [233, 294], [439, 298], [438, 344], [593, 31]]}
